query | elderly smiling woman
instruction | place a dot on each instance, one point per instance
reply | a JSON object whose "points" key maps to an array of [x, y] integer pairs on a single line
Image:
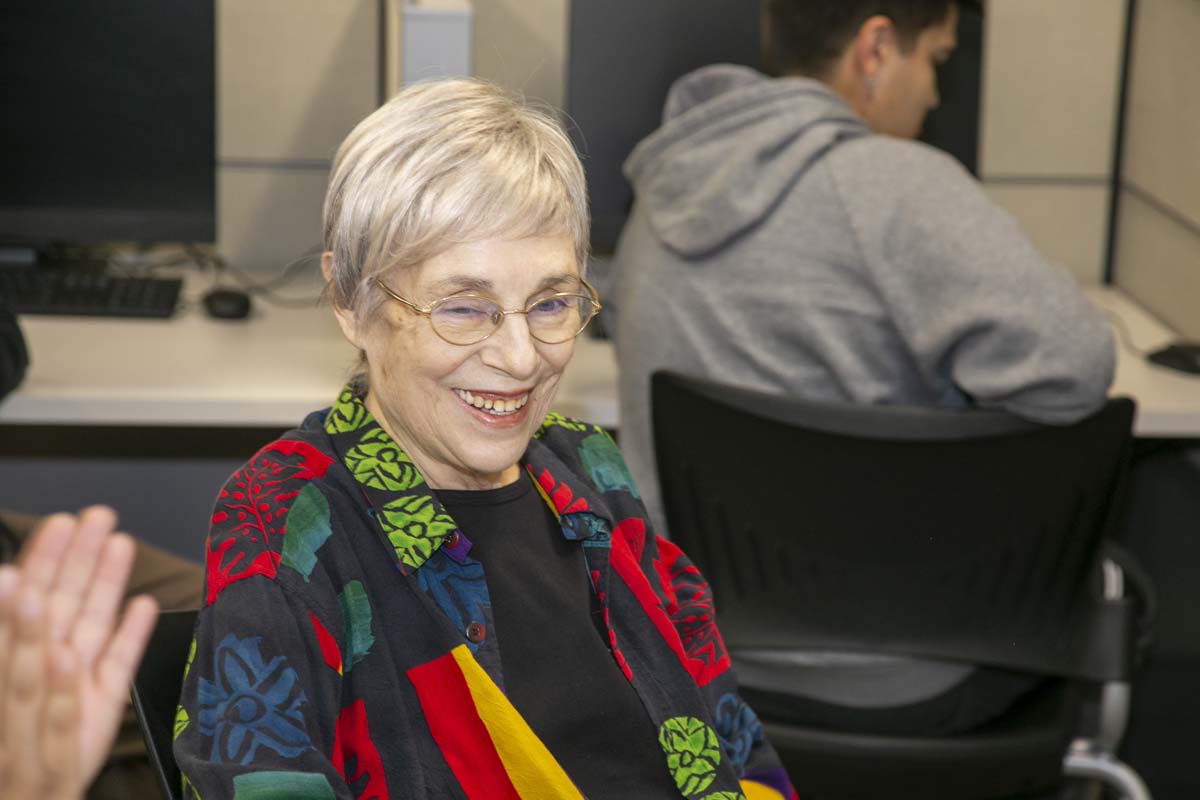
{"points": [[438, 588]]}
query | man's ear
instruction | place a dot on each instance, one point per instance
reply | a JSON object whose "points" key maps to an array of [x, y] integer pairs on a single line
{"points": [[874, 45], [346, 318]]}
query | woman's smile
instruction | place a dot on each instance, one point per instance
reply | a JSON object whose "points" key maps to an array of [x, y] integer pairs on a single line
{"points": [[495, 409]]}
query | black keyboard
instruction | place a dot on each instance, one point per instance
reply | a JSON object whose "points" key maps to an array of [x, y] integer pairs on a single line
{"points": [[58, 291]]}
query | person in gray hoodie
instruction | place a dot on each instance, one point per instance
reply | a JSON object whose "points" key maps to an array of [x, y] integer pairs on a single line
{"points": [[789, 235]]}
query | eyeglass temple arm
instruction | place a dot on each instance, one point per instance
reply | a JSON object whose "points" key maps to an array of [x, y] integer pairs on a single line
{"points": [[388, 291]]}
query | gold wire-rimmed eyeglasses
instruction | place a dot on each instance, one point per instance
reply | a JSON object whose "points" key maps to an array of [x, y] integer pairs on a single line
{"points": [[465, 319]]}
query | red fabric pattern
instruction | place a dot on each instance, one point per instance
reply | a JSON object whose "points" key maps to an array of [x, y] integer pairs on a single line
{"points": [[616, 651], [253, 505], [219, 573], [454, 722], [560, 494], [329, 649], [352, 742], [690, 604], [698, 647]]}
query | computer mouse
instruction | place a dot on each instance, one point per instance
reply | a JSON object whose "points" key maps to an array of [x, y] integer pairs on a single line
{"points": [[1182, 356], [227, 304]]}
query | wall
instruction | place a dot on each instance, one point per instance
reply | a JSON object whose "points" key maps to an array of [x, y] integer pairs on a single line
{"points": [[1051, 81], [293, 77], [1158, 222], [522, 44]]}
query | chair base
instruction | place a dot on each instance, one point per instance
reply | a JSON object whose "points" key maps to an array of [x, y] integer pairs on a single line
{"points": [[1083, 761], [1019, 754]]}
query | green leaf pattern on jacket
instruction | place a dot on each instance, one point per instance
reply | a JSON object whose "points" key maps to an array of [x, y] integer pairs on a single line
{"points": [[307, 529], [181, 721], [356, 620], [348, 414], [555, 419], [600, 457], [693, 753], [415, 528], [377, 462], [181, 716]]}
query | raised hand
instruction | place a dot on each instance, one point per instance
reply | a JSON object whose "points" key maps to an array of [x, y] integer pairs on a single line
{"points": [[65, 664]]}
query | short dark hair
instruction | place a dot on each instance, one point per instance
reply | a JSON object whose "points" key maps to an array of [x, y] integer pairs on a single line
{"points": [[807, 36]]}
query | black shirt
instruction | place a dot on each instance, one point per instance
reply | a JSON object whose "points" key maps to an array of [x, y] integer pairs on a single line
{"points": [[558, 671]]}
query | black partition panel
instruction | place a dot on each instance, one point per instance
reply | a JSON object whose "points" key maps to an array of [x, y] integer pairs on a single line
{"points": [[622, 56], [954, 125]]}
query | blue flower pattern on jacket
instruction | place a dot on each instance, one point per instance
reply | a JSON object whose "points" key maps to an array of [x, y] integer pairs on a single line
{"points": [[738, 729], [459, 589], [251, 703]]}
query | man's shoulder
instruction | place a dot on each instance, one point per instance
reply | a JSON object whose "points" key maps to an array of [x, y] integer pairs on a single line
{"points": [[879, 157], [882, 180]]}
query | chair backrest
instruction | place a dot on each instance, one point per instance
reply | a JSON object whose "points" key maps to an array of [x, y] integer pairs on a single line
{"points": [[961, 535], [156, 693]]}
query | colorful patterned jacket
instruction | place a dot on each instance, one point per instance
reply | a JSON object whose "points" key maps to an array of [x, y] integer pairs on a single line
{"points": [[346, 646]]}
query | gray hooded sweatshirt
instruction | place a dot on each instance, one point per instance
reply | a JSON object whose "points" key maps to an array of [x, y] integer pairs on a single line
{"points": [[777, 244]]}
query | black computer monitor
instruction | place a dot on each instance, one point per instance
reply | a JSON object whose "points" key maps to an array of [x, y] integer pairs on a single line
{"points": [[108, 129], [623, 55]]}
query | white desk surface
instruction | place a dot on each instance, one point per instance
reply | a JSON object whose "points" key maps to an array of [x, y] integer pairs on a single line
{"points": [[196, 371], [1168, 400]]}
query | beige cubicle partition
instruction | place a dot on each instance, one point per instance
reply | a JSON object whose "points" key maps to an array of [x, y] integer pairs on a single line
{"points": [[1158, 221]]}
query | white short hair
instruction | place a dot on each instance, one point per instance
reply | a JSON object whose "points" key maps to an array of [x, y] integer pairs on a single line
{"points": [[440, 164]]}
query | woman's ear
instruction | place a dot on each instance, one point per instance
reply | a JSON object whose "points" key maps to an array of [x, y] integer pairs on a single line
{"points": [[327, 266], [346, 318]]}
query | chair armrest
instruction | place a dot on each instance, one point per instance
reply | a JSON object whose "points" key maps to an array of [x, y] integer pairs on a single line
{"points": [[1124, 578], [1134, 582]]}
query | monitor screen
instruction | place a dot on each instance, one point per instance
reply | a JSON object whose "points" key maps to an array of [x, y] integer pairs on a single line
{"points": [[622, 57], [109, 121]]}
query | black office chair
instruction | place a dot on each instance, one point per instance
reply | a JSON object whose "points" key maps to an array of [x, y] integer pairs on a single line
{"points": [[156, 693], [970, 537]]}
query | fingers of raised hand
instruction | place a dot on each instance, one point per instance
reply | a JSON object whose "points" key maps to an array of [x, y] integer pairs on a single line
{"points": [[124, 652], [61, 725], [24, 692], [62, 559], [9, 579], [108, 686], [81, 563], [44, 761], [97, 610]]}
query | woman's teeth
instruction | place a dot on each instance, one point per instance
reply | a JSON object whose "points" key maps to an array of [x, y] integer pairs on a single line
{"points": [[494, 405]]}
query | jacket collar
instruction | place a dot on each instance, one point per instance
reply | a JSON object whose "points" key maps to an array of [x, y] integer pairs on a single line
{"points": [[406, 509]]}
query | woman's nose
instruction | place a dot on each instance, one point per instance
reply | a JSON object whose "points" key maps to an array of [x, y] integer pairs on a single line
{"points": [[512, 347]]}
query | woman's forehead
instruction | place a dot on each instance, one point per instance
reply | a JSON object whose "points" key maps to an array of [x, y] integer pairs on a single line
{"points": [[497, 266]]}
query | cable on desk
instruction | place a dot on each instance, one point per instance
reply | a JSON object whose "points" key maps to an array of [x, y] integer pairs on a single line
{"points": [[1123, 334], [264, 289], [139, 266]]}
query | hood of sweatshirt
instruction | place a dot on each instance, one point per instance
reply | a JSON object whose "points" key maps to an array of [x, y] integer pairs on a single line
{"points": [[732, 142]]}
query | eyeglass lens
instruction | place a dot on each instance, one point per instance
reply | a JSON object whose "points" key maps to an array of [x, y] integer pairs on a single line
{"points": [[468, 319]]}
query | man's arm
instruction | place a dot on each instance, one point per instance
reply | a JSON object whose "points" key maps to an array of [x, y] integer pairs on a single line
{"points": [[972, 298]]}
